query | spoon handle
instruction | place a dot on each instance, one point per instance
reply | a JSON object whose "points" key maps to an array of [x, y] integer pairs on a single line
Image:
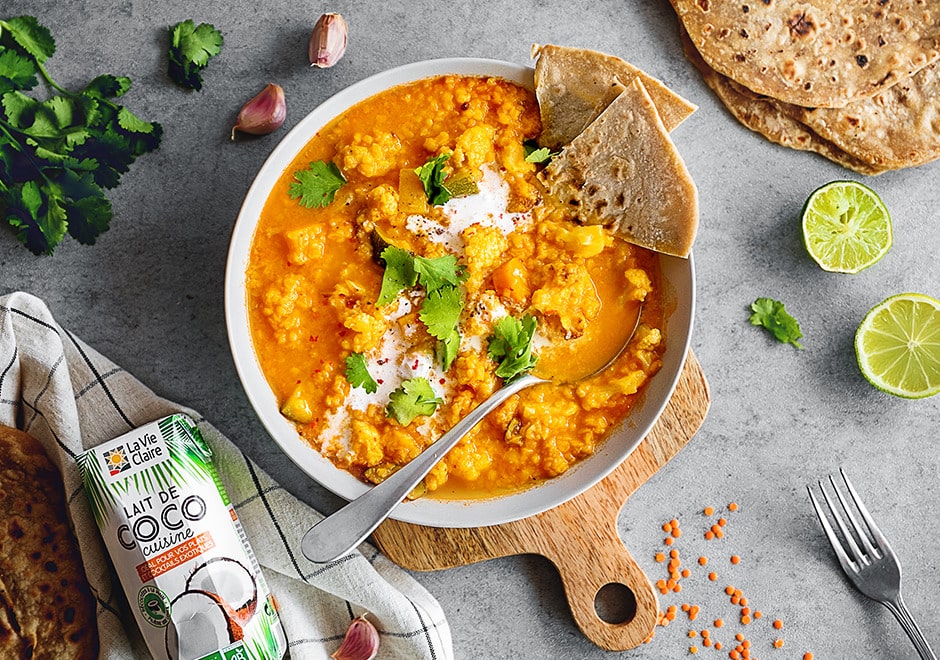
{"points": [[340, 532]]}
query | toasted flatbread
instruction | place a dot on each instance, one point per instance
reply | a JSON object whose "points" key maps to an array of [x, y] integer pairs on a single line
{"points": [[46, 607], [765, 116], [623, 171], [573, 86], [814, 54]]}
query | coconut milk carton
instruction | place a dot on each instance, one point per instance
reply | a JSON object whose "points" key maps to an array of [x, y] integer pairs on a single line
{"points": [[180, 552]]}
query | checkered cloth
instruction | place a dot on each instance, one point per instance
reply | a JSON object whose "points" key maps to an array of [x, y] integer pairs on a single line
{"points": [[71, 398]]}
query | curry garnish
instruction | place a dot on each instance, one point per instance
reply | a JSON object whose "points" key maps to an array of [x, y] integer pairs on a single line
{"points": [[357, 373], [414, 398], [511, 346], [316, 186]]}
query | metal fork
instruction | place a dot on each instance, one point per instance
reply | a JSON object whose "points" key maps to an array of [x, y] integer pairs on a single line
{"points": [[873, 568]]}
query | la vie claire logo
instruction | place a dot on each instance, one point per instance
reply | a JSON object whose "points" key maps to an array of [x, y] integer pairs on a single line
{"points": [[137, 452]]}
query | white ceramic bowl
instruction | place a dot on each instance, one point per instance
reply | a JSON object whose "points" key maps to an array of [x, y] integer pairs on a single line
{"points": [[680, 295]]}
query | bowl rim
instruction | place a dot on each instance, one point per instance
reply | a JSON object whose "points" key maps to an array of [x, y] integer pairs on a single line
{"points": [[429, 511]]}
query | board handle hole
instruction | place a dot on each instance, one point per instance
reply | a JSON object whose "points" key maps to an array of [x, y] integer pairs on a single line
{"points": [[615, 603]]}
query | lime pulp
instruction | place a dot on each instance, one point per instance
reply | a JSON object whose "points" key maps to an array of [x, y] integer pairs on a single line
{"points": [[846, 227], [898, 346]]}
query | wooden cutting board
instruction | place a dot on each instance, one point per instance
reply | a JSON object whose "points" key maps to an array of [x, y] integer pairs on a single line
{"points": [[580, 536]]}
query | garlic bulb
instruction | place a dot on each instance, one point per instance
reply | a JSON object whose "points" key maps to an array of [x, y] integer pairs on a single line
{"points": [[360, 643], [327, 41], [262, 114]]}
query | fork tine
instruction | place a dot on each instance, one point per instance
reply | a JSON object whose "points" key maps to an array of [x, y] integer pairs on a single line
{"points": [[847, 564], [879, 538], [856, 552]]}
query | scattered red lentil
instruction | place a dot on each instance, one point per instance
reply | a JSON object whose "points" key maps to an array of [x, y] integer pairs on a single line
{"points": [[722, 522], [733, 506], [692, 633], [660, 557], [686, 572], [708, 511], [668, 540], [745, 619], [778, 624], [729, 590], [713, 576], [758, 614], [702, 561], [778, 643], [693, 649], [718, 647], [709, 535], [719, 623], [735, 559], [807, 656]]}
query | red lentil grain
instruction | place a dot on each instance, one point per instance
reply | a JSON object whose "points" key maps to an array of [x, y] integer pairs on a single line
{"points": [[713, 576], [778, 643], [733, 506], [686, 572], [702, 561], [660, 557], [735, 559], [709, 535], [722, 522], [778, 624], [718, 623], [708, 511]]}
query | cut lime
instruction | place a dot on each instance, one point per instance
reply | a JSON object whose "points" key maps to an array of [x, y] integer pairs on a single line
{"points": [[846, 227], [898, 345]]}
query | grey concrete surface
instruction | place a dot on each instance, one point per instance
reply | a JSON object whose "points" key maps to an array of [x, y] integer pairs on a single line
{"points": [[149, 295]]}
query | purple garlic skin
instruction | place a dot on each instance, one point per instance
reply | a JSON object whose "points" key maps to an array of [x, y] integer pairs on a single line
{"points": [[327, 41], [360, 643], [262, 114]]}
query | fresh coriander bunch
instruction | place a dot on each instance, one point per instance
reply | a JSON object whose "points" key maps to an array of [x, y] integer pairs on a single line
{"points": [[58, 155]]}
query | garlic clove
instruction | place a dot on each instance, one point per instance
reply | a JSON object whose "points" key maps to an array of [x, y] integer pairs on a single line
{"points": [[361, 641], [327, 41], [262, 114]]}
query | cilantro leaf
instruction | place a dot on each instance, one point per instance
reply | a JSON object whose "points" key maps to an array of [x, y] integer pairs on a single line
{"points": [[536, 154], [399, 274], [447, 348], [511, 346], [32, 37], [191, 48], [439, 272], [415, 397], [58, 154], [317, 185], [431, 175], [772, 315], [16, 71], [357, 373], [440, 311]]}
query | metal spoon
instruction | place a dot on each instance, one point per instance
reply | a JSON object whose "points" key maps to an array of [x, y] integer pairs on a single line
{"points": [[337, 534]]}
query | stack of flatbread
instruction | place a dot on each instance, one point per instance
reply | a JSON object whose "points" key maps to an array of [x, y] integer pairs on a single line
{"points": [[857, 81], [617, 165]]}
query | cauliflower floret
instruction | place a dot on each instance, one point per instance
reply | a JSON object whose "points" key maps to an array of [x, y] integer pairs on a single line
{"points": [[304, 244], [570, 297], [483, 250], [284, 304], [371, 155]]}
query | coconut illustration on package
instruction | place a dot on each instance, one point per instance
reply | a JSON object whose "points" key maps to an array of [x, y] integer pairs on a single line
{"points": [[178, 547]]}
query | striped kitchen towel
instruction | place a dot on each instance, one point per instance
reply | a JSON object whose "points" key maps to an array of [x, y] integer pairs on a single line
{"points": [[72, 398]]}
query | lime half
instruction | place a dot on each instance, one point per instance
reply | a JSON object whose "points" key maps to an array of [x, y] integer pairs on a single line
{"points": [[898, 345], [846, 227]]}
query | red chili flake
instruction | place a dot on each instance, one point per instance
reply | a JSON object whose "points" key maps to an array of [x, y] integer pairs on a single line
{"points": [[441, 381], [379, 381], [414, 367]]}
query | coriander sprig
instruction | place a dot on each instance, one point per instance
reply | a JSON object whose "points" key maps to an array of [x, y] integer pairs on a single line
{"points": [[57, 155]]}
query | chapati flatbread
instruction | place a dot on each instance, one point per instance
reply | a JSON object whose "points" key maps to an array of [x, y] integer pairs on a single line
{"points": [[624, 171], [573, 86], [46, 608], [900, 127], [765, 116], [814, 54]]}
